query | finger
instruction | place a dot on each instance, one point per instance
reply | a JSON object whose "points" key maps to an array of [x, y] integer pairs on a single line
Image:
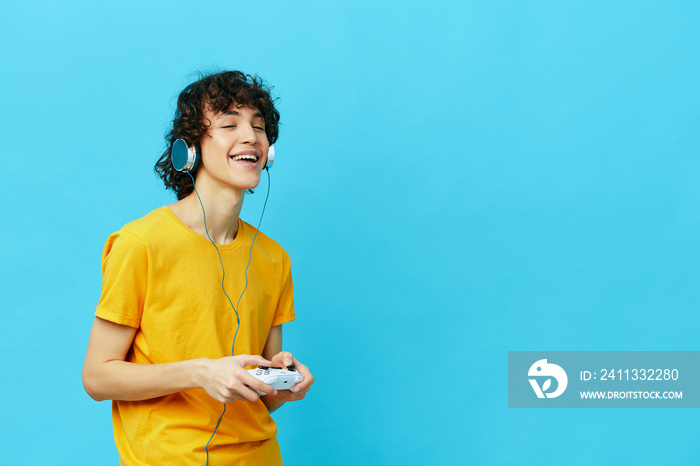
{"points": [[253, 359], [296, 396], [258, 384], [304, 385], [248, 393], [283, 359], [300, 368], [237, 392]]}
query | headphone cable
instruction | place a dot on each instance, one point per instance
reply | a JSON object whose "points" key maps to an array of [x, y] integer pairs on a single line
{"points": [[223, 275]]}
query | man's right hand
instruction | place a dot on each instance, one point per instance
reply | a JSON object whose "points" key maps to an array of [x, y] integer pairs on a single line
{"points": [[227, 380]]}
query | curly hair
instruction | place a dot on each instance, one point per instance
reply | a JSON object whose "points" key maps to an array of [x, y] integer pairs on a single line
{"points": [[215, 93]]}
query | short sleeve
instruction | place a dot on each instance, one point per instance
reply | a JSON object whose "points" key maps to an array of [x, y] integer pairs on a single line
{"points": [[124, 279], [285, 305]]}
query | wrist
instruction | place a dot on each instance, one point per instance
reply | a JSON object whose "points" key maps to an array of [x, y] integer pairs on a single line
{"points": [[200, 369]]}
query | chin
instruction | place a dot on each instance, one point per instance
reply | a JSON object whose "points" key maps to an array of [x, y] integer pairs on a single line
{"points": [[249, 186]]}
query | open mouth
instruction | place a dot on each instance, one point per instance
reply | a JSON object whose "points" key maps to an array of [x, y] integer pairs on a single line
{"points": [[245, 157], [252, 158]]}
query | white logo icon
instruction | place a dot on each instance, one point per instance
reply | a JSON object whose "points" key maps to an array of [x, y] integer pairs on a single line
{"points": [[542, 369]]}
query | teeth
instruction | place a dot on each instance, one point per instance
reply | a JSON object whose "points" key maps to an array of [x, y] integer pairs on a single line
{"points": [[246, 157]]}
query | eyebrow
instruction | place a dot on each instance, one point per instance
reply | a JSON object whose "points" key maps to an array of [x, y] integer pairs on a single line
{"points": [[235, 113]]}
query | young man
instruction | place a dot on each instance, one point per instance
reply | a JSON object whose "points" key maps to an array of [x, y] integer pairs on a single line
{"points": [[177, 300]]}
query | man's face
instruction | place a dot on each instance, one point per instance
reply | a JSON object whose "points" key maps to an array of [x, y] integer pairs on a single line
{"points": [[234, 148]]}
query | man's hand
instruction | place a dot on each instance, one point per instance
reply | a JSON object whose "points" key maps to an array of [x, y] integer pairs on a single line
{"points": [[284, 359], [226, 379]]}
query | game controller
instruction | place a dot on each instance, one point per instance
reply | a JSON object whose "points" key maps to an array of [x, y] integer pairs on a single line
{"points": [[277, 377]]}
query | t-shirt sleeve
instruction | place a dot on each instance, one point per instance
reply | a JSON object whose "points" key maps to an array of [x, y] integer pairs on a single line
{"points": [[124, 279], [285, 305]]}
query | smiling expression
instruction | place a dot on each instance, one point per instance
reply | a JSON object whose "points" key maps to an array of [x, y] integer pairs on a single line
{"points": [[234, 148]]}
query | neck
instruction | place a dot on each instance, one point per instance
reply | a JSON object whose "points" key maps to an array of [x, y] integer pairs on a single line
{"points": [[222, 211]]}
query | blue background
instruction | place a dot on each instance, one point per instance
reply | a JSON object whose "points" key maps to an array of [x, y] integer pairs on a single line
{"points": [[454, 180]]}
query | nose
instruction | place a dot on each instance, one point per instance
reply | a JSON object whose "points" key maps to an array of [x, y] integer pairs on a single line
{"points": [[248, 134]]}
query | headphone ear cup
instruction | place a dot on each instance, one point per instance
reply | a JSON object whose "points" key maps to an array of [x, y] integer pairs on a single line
{"points": [[183, 157], [270, 157]]}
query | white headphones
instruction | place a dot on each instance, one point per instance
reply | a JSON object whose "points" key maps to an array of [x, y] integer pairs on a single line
{"points": [[185, 158]]}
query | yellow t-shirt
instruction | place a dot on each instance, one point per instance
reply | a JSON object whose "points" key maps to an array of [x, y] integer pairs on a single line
{"points": [[164, 279]]}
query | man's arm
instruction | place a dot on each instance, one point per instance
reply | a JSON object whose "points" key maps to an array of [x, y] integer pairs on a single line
{"points": [[108, 376], [273, 352]]}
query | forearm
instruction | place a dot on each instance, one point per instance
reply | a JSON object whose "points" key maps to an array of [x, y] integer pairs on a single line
{"points": [[108, 376], [127, 381], [272, 403]]}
